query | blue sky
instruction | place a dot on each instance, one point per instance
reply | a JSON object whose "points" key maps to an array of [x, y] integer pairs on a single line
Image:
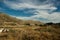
{"points": [[40, 10]]}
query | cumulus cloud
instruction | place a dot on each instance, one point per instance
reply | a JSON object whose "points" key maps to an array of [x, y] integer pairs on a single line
{"points": [[42, 10]]}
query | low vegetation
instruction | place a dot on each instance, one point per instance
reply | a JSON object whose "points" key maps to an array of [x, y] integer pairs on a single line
{"points": [[27, 30]]}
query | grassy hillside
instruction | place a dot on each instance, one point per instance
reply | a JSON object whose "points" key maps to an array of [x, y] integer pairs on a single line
{"points": [[27, 30], [6, 19]]}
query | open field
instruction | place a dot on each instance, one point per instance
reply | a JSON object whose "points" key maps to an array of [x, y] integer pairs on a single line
{"points": [[16, 29], [31, 33]]}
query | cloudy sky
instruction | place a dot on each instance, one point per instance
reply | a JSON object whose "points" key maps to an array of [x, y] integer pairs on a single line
{"points": [[41, 10]]}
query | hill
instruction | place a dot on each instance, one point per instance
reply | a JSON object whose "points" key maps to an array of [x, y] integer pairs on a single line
{"points": [[16, 29], [6, 19]]}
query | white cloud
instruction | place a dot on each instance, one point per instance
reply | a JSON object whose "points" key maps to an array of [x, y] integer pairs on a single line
{"points": [[18, 6], [42, 11], [54, 17]]}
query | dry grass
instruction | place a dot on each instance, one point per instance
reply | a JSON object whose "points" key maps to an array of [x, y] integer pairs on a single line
{"points": [[23, 30], [31, 33]]}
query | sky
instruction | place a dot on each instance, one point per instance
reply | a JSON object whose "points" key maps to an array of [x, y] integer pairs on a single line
{"points": [[40, 10]]}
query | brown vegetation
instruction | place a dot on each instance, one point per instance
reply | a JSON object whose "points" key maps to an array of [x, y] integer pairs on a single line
{"points": [[27, 30]]}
